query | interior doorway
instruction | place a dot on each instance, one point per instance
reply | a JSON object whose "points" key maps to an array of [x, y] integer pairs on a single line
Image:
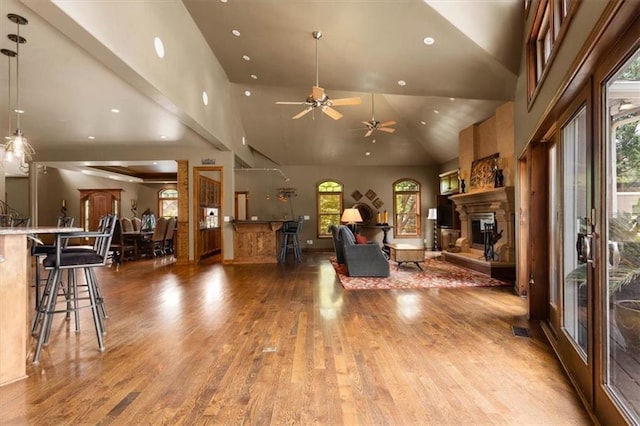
{"points": [[208, 207]]}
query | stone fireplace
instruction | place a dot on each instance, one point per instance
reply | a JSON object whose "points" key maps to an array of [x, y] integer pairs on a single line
{"points": [[477, 208]]}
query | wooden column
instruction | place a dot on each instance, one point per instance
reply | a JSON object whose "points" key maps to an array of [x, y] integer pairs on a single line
{"points": [[537, 160]]}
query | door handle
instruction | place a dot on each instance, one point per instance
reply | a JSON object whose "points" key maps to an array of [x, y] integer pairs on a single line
{"points": [[583, 248]]}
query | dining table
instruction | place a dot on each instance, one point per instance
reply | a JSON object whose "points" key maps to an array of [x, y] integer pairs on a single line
{"points": [[15, 282], [137, 238]]}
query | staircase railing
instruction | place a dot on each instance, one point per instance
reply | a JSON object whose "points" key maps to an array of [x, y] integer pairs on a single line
{"points": [[7, 212]]}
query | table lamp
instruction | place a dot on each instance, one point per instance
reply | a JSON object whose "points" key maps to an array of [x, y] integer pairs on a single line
{"points": [[433, 215], [351, 217]]}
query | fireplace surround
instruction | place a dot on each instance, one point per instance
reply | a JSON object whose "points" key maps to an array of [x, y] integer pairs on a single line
{"points": [[478, 207]]}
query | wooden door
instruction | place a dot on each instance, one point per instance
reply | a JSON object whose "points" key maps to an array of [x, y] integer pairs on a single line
{"points": [[95, 203]]}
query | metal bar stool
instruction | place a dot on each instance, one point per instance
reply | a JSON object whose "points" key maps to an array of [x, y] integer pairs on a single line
{"points": [[72, 259], [290, 238]]}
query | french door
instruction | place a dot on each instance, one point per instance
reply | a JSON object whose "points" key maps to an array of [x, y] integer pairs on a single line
{"points": [[571, 261], [594, 240]]}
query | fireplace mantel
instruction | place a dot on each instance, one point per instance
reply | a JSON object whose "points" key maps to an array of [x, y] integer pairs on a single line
{"points": [[504, 194]]}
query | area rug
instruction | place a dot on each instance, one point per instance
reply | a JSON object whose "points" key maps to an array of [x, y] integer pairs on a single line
{"points": [[435, 274]]}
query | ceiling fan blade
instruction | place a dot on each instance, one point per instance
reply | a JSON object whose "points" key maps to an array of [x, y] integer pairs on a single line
{"points": [[386, 129], [368, 133], [317, 93], [290, 103], [387, 123], [332, 113], [300, 114], [346, 101], [367, 123]]}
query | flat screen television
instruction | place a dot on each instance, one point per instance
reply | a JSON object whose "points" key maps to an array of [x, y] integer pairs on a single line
{"points": [[445, 216]]}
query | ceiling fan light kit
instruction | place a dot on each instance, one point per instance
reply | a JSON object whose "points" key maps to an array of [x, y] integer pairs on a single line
{"points": [[318, 98]]}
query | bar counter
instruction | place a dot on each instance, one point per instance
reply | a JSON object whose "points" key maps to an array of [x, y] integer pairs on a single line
{"points": [[255, 241], [15, 263]]}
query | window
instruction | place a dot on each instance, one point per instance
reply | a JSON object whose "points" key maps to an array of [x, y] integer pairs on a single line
{"points": [[168, 203], [329, 206], [406, 208], [548, 29]]}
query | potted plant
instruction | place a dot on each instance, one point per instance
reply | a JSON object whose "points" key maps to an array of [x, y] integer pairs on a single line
{"points": [[624, 276]]}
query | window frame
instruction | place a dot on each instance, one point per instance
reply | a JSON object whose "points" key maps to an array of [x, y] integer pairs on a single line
{"points": [[324, 233], [418, 207], [161, 199], [549, 27]]}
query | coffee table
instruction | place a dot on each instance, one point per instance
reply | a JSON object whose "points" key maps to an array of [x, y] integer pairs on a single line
{"points": [[405, 253]]}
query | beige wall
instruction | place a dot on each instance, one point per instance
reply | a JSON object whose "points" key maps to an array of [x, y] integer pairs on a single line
{"points": [[305, 179]]}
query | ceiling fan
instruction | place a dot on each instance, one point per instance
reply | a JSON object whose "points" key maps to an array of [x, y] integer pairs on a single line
{"points": [[318, 98], [373, 124]]}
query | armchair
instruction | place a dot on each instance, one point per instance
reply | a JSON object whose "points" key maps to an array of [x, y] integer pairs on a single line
{"points": [[362, 260]]}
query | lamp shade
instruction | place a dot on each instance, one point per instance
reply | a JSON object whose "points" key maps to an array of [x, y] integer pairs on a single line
{"points": [[433, 214], [351, 216]]}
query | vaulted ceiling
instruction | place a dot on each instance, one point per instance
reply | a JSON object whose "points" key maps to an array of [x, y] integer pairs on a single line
{"points": [[367, 47]]}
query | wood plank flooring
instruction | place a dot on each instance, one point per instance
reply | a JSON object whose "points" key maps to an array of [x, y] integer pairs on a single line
{"points": [[285, 344]]}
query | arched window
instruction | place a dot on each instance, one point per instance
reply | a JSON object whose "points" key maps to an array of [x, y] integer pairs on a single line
{"points": [[329, 206], [168, 202], [406, 208]]}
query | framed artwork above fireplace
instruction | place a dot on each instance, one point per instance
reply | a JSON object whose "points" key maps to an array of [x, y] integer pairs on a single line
{"points": [[482, 173]]}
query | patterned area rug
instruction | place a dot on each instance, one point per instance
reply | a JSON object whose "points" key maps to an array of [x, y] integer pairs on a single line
{"points": [[435, 274]]}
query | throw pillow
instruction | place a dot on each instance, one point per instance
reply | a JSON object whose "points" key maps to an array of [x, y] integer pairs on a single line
{"points": [[361, 239]]}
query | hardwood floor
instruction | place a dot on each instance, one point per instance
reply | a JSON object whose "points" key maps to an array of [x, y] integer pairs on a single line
{"points": [[274, 344]]}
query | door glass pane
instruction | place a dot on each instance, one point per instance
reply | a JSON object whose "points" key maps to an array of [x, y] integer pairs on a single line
{"points": [[622, 298], [575, 225]]}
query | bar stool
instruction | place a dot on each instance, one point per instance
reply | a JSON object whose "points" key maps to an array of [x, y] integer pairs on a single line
{"points": [[290, 232], [72, 259], [40, 251]]}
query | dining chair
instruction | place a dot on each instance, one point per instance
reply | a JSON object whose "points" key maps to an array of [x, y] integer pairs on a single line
{"points": [[126, 224], [167, 244], [137, 224], [74, 259]]}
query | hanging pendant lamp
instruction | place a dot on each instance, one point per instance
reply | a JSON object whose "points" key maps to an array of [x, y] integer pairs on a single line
{"points": [[17, 147]]}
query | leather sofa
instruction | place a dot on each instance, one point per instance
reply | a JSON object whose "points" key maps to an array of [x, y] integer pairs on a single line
{"points": [[361, 260]]}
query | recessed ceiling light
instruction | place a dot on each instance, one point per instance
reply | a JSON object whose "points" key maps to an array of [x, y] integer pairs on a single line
{"points": [[130, 180], [424, 123], [159, 47], [154, 163], [435, 111], [244, 140], [112, 177], [163, 136], [19, 111], [116, 110], [86, 172], [367, 153], [224, 1], [91, 137], [402, 83], [235, 33], [452, 99], [246, 58], [253, 76], [429, 41], [247, 93], [205, 98], [373, 141]]}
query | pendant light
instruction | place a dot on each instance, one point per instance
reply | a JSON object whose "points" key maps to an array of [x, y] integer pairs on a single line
{"points": [[17, 147]]}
